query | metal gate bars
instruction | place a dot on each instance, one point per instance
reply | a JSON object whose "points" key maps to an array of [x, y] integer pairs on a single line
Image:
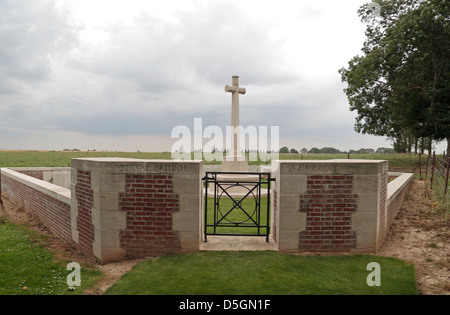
{"points": [[237, 204]]}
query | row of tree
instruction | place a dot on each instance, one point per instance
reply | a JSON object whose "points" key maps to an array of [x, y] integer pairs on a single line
{"points": [[400, 86], [329, 150]]}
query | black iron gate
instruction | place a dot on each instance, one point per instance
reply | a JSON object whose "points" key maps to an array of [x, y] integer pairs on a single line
{"points": [[237, 204]]}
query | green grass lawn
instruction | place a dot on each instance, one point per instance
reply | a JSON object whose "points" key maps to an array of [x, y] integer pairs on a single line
{"points": [[264, 273], [237, 215], [26, 263]]}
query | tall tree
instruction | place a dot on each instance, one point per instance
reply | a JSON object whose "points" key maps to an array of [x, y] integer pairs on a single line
{"points": [[401, 85]]}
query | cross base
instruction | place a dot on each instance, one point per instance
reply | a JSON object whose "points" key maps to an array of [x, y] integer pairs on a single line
{"points": [[237, 163]]}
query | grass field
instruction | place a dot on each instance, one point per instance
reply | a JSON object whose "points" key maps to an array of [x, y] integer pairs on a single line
{"points": [[62, 159], [265, 273]]}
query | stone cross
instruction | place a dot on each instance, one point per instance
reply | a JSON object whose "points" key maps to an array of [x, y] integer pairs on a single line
{"points": [[235, 90]]}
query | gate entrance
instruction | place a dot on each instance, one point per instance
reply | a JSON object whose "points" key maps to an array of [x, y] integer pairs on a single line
{"points": [[237, 204]]}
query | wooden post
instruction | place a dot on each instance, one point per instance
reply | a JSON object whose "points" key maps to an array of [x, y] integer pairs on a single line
{"points": [[446, 177], [420, 164], [444, 161], [432, 168]]}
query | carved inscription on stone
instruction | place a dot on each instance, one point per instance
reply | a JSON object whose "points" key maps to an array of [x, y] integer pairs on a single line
{"points": [[131, 167], [321, 168], [155, 168], [169, 168]]}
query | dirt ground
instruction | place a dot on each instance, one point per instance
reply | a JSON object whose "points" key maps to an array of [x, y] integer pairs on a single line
{"points": [[419, 235]]}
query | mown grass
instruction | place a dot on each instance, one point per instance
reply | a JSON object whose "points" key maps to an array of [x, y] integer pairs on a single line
{"points": [[27, 267], [237, 215], [265, 273]]}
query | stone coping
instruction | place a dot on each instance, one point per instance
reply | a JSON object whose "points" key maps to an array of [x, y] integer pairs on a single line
{"points": [[396, 186], [126, 160], [45, 169], [60, 193]]}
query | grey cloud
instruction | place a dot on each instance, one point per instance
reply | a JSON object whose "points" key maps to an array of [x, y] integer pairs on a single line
{"points": [[30, 33], [165, 73], [231, 43], [211, 44]]}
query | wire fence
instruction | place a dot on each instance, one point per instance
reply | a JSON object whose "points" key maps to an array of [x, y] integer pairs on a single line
{"points": [[437, 169]]}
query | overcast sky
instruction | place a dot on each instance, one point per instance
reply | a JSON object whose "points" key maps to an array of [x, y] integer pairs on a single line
{"points": [[120, 75]]}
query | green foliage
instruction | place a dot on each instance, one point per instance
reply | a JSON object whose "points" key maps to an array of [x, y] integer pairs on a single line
{"points": [[400, 87], [328, 150], [314, 151]]}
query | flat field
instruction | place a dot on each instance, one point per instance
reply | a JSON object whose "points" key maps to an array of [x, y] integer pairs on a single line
{"points": [[397, 162]]}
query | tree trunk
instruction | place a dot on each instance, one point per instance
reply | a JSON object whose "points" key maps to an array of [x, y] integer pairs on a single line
{"points": [[448, 147]]}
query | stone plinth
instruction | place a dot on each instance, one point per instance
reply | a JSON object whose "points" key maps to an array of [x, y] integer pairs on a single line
{"points": [[334, 205], [129, 208], [235, 164]]}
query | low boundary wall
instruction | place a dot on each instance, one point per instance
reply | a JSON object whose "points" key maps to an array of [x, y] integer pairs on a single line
{"points": [[127, 208], [60, 176], [48, 202], [396, 193], [116, 208]]}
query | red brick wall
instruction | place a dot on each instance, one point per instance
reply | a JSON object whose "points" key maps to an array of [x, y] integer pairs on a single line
{"points": [[52, 212], [329, 204], [149, 202], [85, 198]]}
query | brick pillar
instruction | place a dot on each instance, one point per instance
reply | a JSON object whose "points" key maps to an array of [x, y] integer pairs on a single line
{"points": [[334, 205], [138, 207]]}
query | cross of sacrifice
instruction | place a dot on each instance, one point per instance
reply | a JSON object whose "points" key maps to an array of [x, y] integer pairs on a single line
{"points": [[235, 90]]}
